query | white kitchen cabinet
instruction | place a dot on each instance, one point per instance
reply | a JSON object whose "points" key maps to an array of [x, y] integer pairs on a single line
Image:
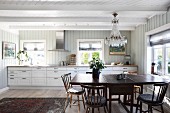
{"points": [[19, 76], [38, 82], [38, 76], [54, 76], [55, 81]]}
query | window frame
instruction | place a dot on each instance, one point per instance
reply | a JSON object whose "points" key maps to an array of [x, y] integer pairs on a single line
{"points": [[34, 41], [164, 59], [93, 40]]}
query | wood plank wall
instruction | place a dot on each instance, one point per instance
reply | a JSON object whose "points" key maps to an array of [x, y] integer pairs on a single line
{"points": [[8, 37], [54, 57], [138, 38]]}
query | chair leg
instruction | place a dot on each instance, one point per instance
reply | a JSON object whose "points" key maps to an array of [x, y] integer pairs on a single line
{"points": [[83, 101], [137, 106], [70, 100], [110, 103], [162, 110], [87, 110], [105, 109], [78, 104], [66, 102]]}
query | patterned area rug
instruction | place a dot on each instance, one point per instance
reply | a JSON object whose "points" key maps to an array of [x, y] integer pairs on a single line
{"points": [[32, 105]]}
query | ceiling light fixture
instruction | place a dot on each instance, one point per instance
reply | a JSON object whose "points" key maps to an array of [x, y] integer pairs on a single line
{"points": [[115, 37]]}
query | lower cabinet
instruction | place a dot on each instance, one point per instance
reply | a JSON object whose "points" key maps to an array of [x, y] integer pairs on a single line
{"points": [[55, 81], [51, 76], [38, 81]]}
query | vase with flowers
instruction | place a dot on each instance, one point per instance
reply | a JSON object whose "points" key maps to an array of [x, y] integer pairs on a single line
{"points": [[96, 65]]}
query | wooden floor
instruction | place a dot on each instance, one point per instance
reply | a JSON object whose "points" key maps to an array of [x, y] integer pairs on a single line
{"points": [[116, 108]]}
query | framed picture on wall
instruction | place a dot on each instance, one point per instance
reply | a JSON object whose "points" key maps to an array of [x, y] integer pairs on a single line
{"points": [[8, 50], [118, 49]]}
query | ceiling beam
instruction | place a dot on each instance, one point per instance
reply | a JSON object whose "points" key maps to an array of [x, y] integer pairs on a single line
{"points": [[129, 28], [78, 7], [72, 19]]}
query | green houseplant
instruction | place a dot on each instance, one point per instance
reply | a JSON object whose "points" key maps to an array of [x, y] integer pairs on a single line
{"points": [[96, 65], [22, 56]]}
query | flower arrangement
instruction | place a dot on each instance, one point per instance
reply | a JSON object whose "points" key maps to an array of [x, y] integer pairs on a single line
{"points": [[97, 64], [22, 56]]}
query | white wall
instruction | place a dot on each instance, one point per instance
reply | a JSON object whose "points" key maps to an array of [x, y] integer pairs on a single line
{"points": [[138, 38], [72, 36], [8, 37], [54, 57]]}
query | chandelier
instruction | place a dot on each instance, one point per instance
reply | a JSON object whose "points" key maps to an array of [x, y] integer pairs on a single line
{"points": [[115, 37]]}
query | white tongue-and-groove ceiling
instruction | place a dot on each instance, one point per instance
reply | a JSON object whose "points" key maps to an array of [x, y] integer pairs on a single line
{"points": [[78, 14]]}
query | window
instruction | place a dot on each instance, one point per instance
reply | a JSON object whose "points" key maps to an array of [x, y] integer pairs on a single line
{"points": [[88, 49], [161, 52], [35, 50]]}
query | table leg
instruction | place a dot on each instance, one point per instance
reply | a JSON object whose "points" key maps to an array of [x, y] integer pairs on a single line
{"points": [[141, 92]]}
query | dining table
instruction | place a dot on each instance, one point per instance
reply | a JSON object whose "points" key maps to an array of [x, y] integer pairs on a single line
{"points": [[111, 80]]}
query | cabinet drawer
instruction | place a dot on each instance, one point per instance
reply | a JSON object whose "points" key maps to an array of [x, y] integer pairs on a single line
{"points": [[57, 81], [12, 75], [39, 69], [12, 81], [24, 74], [12, 72], [38, 81], [18, 68], [55, 73], [38, 74], [57, 68], [24, 81]]}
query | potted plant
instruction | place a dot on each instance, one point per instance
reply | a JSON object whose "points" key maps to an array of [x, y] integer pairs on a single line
{"points": [[96, 65], [22, 56]]}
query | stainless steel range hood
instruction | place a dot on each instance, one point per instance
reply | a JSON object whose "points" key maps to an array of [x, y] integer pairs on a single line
{"points": [[60, 42]]}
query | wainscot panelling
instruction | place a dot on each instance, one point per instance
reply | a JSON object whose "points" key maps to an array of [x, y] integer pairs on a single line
{"points": [[8, 37], [54, 57], [138, 38], [72, 36]]}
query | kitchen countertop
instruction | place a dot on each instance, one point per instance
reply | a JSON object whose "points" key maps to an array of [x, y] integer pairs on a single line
{"points": [[68, 66]]}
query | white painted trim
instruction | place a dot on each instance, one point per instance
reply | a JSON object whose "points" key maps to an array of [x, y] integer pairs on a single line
{"points": [[79, 40], [4, 89], [147, 34], [159, 29], [44, 41]]}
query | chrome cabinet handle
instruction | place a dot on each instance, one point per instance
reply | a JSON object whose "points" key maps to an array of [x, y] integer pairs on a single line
{"points": [[55, 78], [23, 78], [55, 71], [23, 71], [124, 68], [55, 68], [11, 75], [11, 78]]}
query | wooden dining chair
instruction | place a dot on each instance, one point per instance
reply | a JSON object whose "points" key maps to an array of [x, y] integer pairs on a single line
{"points": [[121, 89], [95, 97], [72, 90], [154, 99]]}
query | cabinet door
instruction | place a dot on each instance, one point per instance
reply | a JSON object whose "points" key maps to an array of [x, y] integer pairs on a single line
{"points": [[12, 81], [55, 73], [38, 81], [24, 74], [24, 81], [56, 81], [38, 74]]}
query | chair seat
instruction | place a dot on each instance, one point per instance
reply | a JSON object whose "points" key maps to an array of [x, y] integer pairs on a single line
{"points": [[100, 101], [147, 98], [75, 90]]}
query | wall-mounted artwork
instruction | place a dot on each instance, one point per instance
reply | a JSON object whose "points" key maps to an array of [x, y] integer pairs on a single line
{"points": [[119, 49], [8, 50]]}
